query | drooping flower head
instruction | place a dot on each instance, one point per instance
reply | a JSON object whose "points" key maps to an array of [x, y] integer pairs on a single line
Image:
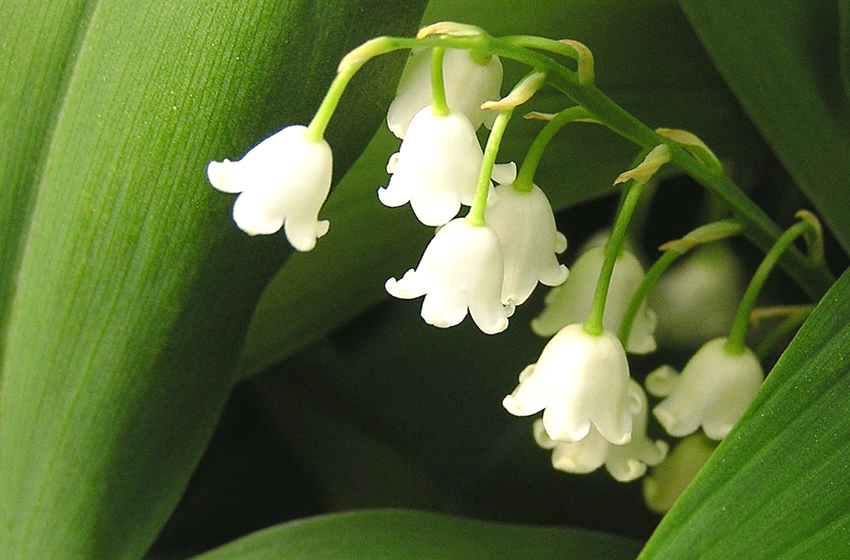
{"points": [[624, 462], [570, 302], [525, 225], [581, 380], [468, 82], [713, 391], [283, 182], [460, 270], [436, 168]]}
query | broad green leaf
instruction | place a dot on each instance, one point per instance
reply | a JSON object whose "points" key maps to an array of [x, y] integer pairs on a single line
{"points": [[43, 36], [784, 61], [408, 535], [777, 486], [133, 288], [657, 70]]}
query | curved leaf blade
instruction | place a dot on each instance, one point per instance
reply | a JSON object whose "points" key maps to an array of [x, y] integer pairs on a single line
{"points": [[777, 486], [782, 59], [47, 38], [411, 535], [134, 288]]}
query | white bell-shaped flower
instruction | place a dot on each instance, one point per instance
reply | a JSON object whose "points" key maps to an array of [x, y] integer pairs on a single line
{"points": [[468, 84], [283, 181], [624, 462], [581, 380], [713, 391], [570, 302], [436, 168], [461, 269], [525, 225]]}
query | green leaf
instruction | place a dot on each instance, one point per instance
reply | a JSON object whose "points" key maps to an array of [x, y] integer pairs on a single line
{"points": [[660, 82], [777, 486], [414, 535], [30, 95], [844, 42], [782, 60], [132, 286]]}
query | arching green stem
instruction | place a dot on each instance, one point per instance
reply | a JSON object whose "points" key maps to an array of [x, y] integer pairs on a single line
{"points": [[814, 278], [479, 204], [317, 126], [525, 178], [735, 343], [708, 233], [649, 280], [613, 249], [439, 106]]}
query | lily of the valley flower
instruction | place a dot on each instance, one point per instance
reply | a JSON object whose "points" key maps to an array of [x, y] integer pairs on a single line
{"points": [[436, 168], [713, 391], [624, 462], [581, 381], [461, 269], [570, 302], [468, 84], [283, 182], [525, 225]]}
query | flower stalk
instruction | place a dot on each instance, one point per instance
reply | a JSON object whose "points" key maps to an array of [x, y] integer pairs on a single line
{"points": [[439, 105], [757, 226], [636, 179], [735, 342], [525, 178], [491, 150], [672, 251]]}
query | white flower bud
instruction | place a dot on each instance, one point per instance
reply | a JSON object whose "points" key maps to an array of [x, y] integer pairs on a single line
{"points": [[713, 391], [697, 299], [461, 269], [436, 168], [283, 181], [624, 462], [581, 380], [468, 84], [525, 225]]}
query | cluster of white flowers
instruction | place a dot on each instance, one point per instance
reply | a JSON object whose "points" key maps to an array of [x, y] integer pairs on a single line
{"points": [[487, 268], [594, 413]]}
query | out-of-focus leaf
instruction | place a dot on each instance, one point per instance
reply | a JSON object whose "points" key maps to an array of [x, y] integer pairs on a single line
{"points": [[777, 486], [657, 70], [396, 535], [844, 44], [784, 61], [133, 288]]}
